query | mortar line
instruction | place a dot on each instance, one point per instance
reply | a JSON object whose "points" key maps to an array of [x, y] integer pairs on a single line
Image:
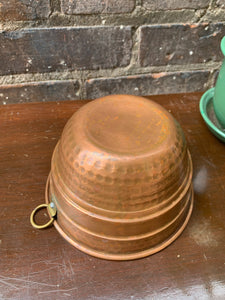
{"points": [[82, 76]]}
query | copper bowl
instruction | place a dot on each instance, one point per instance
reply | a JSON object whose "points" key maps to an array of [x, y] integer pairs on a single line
{"points": [[121, 178]]}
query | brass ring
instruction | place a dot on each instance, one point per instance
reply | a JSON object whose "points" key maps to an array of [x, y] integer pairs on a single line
{"points": [[33, 215]]}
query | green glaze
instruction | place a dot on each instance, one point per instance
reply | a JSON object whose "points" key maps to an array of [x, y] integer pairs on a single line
{"points": [[219, 96], [223, 46], [208, 114]]}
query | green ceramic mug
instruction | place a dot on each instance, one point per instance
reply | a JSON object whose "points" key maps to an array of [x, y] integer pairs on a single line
{"points": [[219, 96]]}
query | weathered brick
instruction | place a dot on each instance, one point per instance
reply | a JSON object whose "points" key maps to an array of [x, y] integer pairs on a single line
{"points": [[18, 10], [221, 3], [180, 44], [97, 6], [54, 49], [39, 91], [152, 84], [174, 4]]}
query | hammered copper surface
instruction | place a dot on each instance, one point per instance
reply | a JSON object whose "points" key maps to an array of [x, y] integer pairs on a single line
{"points": [[121, 178]]}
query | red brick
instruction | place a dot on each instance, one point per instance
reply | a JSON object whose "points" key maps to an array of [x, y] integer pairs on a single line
{"points": [[152, 84], [18, 10], [67, 48], [162, 45], [174, 4], [97, 6], [39, 91]]}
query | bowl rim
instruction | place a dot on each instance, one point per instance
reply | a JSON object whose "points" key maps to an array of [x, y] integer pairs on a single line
{"points": [[127, 256], [205, 99]]}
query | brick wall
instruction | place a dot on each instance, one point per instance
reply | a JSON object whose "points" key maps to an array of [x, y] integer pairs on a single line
{"points": [[62, 50]]}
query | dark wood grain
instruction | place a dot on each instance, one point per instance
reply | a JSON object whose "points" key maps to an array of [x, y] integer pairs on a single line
{"points": [[41, 265]]}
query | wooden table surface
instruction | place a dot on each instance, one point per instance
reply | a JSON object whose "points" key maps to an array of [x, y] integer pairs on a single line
{"points": [[37, 264]]}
